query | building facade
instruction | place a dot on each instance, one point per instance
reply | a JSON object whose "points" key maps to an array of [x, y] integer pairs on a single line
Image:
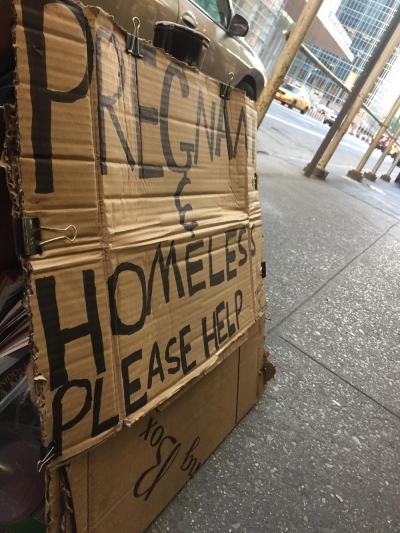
{"points": [[269, 18], [267, 21], [365, 21]]}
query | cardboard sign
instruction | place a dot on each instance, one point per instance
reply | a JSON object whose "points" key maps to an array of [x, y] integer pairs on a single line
{"points": [[126, 481], [155, 174]]}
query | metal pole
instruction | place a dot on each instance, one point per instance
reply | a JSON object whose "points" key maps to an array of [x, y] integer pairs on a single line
{"points": [[382, 47], [387, 176], [362, 95], [372, 175], [374, 143], [304, 50], [296, 37]]}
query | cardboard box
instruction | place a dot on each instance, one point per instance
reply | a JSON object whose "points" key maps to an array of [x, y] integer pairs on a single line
{"points": [[139, 227], [125, 482]]}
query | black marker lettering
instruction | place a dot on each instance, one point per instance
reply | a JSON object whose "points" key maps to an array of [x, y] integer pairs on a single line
{"points": [[173, 70], [165, 465], [231, 327], [108, 102], [238, 305], [152, 423], [157, 436], [242, 249], [220, 325], [172, 360], [164, 269], [253, 244], [230, 255], [201, 114], [190, 462], [207, 338], [242, 120], [185, 349], [184, 209], [149, 55], [57, 338], [149, 115], [58, 425], [41, 96], [117, 326], [253, 137], [155, 370], [130, 387], [193, 267], [100, 427], [224, 130], [217, 277], [221, 132]]}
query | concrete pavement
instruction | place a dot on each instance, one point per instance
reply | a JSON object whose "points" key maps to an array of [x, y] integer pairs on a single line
{"points": [[320, 451]]}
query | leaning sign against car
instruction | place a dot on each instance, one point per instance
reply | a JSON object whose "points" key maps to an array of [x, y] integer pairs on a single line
{"points": [[228, 51]]}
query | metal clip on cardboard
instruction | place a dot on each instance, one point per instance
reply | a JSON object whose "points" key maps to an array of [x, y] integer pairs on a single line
{"points": [[48, 454], [28, 235], [226, 88], [255, 181], [133, 42]]}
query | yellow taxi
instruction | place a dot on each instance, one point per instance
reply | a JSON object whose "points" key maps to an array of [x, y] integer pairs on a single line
{"points": [[293, 97]]}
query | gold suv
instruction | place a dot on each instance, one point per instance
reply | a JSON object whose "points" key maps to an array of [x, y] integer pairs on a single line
{"points": [[228, 51]]}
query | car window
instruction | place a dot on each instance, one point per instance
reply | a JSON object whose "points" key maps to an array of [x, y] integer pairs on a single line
{"points": [[217, 9], [291, 88]]}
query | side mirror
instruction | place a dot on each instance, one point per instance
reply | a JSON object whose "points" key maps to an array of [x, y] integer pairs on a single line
{"points": [[238, 26]]}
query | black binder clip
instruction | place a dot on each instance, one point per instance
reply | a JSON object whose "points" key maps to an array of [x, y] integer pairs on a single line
{"points": [[28, 235], [133, 42], [226, 88], [255, 181]]}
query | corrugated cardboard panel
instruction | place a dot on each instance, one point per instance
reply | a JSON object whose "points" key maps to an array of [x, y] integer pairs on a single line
{"points": [[126, 481], [76, 474], [132, 476], [80, 392], [188, 326], [250, 370], [152, 168], [58, 166]]}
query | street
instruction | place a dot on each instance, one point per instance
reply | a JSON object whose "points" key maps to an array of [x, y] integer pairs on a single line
{"points": [[294, 138], [297, 137]]}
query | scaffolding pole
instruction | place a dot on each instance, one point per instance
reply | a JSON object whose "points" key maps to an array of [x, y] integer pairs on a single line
{"points": [[357, 96], [304, 50], [388, 175], [295, 38], [372, 175], [357, 172]]}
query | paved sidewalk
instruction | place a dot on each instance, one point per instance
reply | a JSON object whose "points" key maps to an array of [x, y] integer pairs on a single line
{"points": [[320, 451]]}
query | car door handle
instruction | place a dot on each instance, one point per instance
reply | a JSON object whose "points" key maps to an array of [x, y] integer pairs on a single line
{"points": [[189, 19]]}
